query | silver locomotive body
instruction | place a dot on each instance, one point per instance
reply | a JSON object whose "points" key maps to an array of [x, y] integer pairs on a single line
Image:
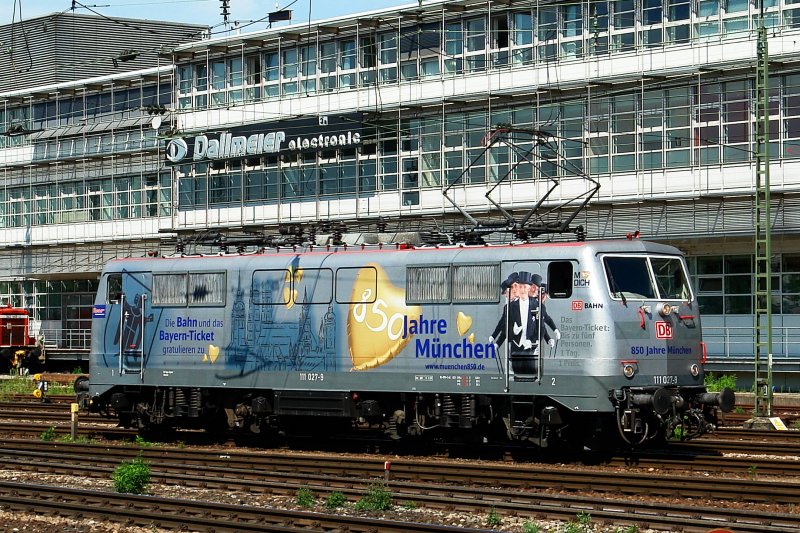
{"points": [[537, 342]]}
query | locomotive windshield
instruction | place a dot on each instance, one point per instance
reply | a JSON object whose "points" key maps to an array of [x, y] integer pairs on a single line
{"points": [[646, 278]]}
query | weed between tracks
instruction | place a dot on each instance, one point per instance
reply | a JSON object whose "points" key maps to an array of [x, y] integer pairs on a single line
{"points": [[132, 477], [26, 385]]}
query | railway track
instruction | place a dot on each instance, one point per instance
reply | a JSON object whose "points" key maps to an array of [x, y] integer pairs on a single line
{"points": [[36, 417], [510, 489], [181, 514]]}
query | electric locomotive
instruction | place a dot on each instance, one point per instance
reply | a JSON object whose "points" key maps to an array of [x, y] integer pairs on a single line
{"points": [[544, 343]]}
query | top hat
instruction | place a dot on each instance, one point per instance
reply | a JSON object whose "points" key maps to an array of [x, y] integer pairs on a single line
{"points": [[526, 278], [536, 279], [512, 278], [505, 285]]}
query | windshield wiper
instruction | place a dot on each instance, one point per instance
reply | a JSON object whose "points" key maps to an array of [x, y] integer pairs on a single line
{"points": [[615, 288]]}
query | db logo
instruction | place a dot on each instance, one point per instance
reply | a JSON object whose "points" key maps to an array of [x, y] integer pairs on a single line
{"points": [[663, 330], [577, 305]]}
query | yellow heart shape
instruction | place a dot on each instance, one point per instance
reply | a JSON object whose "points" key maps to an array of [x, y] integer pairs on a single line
{"points": [[205, 358], [213, 353], [463, 322], [375, 321]]}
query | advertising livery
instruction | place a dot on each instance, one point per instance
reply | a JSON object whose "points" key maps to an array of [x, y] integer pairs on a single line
{"points": [[443, 337]]}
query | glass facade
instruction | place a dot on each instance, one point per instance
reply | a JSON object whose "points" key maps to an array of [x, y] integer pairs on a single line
{"points": [[495, 39], [77, 154], [640, 130]]}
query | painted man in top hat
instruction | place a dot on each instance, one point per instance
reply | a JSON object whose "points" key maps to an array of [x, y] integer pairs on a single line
{"points": [[538, 294], [508, 289], [523, 330]]}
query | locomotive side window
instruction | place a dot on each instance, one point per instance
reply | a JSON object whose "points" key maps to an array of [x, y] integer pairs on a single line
{"points": [[207, 288], [169, 290], [670, 277], [475, 283], [114, 288], [559, 279], [345, 280], [629, 277], [314, 287], [271, 287], [427, 284]]}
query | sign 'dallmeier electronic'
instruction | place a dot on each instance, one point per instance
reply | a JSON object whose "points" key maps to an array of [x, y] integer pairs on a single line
{"points": [[319, 133]]}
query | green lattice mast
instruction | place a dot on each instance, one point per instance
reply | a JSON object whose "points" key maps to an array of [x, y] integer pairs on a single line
{"points": [[763, 249]]}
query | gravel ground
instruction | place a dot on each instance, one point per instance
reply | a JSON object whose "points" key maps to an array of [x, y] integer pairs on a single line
{"points": [[28, 522]]}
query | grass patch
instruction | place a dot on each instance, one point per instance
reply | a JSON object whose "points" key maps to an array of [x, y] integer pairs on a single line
{"points": [[131, 477], [335, 500], [305, 498], [492, 518], [26, 385], [377, 498], [530, 527], [48, 435], [716, 384], [141, 442]]}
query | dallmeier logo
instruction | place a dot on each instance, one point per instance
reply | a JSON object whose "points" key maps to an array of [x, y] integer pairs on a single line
{"points": [[228, 146], [176, 150]]}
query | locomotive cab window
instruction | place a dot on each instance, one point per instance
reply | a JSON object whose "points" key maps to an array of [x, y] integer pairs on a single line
{"points": [[629, 278], [559, 279], [670, 278], [643, 278], [114, 288]]}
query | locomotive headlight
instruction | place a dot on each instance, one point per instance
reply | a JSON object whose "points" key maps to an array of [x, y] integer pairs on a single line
{"points": [[695, 370], [664, 309], [628, 370]]}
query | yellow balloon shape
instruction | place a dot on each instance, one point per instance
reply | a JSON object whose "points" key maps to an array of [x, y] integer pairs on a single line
{"points": [[289, 296], [463, 322], [213, 353], [375, 327]]}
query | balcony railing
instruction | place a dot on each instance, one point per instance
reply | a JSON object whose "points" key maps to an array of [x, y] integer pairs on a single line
{"points": [[739, 341], [67, 338]]}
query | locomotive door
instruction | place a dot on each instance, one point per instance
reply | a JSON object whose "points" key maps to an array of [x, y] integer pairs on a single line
{"points": [[524, 344], [134, 317]]}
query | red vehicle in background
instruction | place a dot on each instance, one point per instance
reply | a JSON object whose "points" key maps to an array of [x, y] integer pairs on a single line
{"points": [[18, 348]]}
